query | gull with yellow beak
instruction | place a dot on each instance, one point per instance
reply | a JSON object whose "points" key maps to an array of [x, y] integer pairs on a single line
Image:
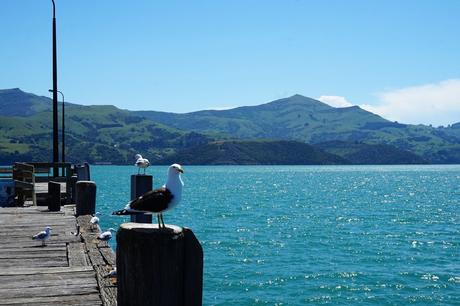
{"points": [[158, 200]]}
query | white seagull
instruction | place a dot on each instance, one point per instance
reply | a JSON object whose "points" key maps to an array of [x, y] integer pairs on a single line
{"points": [[94, 221], [43, 235], [141, 163], [107, 235], [77, 232], [158, 200], [112, 273]]}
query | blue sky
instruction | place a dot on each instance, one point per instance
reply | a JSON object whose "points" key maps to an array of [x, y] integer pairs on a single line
{"points": [[396, 58]]}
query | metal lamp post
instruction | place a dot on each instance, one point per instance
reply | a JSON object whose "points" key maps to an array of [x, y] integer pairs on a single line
{"points": [[55, 110], [63, 127]]}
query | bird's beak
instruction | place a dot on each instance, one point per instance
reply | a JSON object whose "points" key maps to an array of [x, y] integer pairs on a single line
{"points": [[180, 170]]}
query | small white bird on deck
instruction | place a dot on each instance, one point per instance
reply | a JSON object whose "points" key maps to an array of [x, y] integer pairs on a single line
{"points": [[107, 235], [158, 200], [94, 221], [112, 273], [141, 163], [77, 233], [43, 235]]}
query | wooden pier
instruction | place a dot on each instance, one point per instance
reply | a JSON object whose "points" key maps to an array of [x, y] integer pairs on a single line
{"points": [[69, 270]]}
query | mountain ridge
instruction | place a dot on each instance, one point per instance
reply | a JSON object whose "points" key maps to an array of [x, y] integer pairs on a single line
{"points": [[296, 118]]}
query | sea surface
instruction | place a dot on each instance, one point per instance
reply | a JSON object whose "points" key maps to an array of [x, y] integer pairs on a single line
{"points": [[314, 235]]}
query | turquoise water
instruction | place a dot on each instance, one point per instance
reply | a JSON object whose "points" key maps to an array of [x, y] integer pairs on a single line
{"points": [[314, 235]]}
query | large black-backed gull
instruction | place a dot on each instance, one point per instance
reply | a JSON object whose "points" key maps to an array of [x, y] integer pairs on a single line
{"points": [[158, 200]]}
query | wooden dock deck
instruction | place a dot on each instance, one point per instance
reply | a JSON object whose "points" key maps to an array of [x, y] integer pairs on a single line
{"points": [[69, 270]]}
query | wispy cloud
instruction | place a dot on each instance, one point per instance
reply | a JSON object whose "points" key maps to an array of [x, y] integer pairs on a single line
{"points": [[221, 107], [335, 101], [436, 103]]}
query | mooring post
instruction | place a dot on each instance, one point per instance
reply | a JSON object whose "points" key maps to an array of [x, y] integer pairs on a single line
{"points": [[73, 187], [85, 198], [54, 196], [140, 184], [158, 266]]}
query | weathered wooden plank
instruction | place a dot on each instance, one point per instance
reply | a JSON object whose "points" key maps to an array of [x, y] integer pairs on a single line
{"points": [[101, 257], [94, 255], [52, 262], [32, 255], [6, 279], [48, 249], [77, 255], [84, 299], [46, 291], [65, 237], [69, 210], [38, 270], [30, 283], [107, 286], [26, 261], [62, 272], [108, 255], [63, 303], [33, 243]]}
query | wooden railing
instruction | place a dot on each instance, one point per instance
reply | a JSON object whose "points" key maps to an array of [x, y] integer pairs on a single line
{"points": [[24, 183], [27, 174], [43, 173]]}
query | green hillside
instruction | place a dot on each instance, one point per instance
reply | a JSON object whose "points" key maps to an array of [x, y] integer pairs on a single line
{"points": [[297, 117], [108, 134], [15, 102], [263, 152], [307, 120], [93, 134], [370, 154]]}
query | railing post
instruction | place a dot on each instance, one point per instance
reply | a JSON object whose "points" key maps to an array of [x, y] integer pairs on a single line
{"points": [[54, 196], [85, 195], [140, 184], [158, 266]]}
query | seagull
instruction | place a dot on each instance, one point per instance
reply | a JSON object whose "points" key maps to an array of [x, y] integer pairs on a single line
{"points": [[77, 232], [94, 221], [141, 163], [112, 273], [107, 235], [158, 200], [43, 235]]}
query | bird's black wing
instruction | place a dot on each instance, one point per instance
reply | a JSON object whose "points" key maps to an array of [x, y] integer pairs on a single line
{"points": [[154, 200]]}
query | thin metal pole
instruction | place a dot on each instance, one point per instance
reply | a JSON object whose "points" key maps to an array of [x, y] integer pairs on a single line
{"points": [[63, 133], [55, 110], [62, 130]]}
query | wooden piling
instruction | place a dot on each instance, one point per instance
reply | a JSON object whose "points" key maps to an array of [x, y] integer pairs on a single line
{"points": [[158, 266], [85, 198], [140, 184], [54, 196]]}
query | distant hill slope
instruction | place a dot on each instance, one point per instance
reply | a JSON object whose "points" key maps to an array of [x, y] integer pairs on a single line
{"points": [[93, 133], [307, 120], [108, 134], [370, 154], [254, 153], [297, 117], [14, 102]]}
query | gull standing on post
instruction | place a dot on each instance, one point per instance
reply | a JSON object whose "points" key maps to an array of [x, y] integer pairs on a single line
{"points": [[158, 200], [141, 163], [43, 235]]}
